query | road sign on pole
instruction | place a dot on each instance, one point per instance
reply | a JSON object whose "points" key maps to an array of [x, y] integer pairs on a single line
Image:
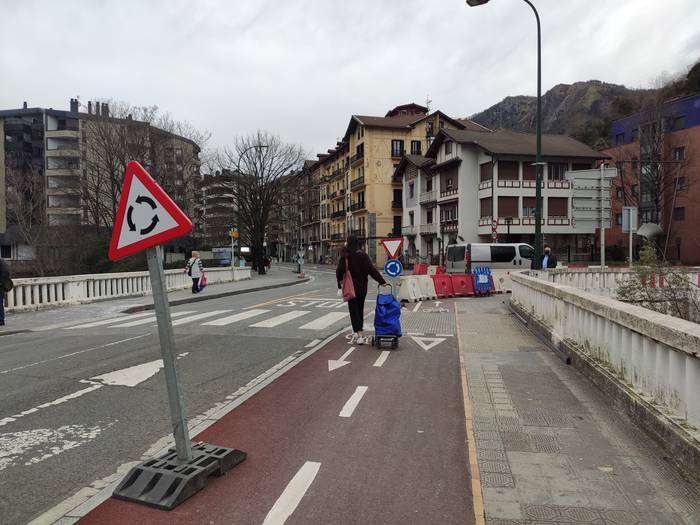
{"points": [[629, 225], [146, 218], [392, 246], [393, 268]]}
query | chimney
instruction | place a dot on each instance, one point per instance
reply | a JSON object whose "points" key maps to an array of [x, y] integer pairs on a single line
{"points": [[97, 108], [89, 107], [24, 106], [74, 105], [105, 110]]}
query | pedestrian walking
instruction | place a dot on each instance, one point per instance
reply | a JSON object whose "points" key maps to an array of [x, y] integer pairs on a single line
{"points": [[195, 269], [549, 260], [360, 267], [5, 286]]}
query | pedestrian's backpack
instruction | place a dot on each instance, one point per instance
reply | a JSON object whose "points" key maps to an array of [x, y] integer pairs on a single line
{"points": [[348, 286]]}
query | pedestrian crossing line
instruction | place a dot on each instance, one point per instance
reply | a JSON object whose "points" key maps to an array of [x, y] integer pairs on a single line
{"points": [[198, 317], [280, 319], [150, 319], [109, 321], [235, 318], [324, 321]]}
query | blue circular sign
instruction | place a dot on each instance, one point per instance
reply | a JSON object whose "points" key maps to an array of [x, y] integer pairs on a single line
{"points": [[393, 268]]}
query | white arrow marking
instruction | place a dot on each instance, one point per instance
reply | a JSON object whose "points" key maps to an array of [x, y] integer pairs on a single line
{"points": [[337, 363], [426, 343], [295, 490], [131, 376]]}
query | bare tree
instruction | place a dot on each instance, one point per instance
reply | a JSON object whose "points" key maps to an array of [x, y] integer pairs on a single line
{"points": [[268, 168]]}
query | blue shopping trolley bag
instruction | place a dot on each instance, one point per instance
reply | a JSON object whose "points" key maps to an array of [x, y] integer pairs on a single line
{"points": [[387, 317]]}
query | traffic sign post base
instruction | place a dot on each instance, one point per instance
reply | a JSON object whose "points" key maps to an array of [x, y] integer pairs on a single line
{"points": [[167, 481]]}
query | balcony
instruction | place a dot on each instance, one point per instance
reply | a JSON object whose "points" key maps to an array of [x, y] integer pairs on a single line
{"points": [[336, 237], [408, 230], [429, 228], [357, 183], [530, 221], [337, 194], [450, 194], [397, 153], [338, 214], [532, 184], [508, 184], [428, 197], [485, 221], [336, 173], [359, 232], [449, 225], [514, 221], [357, 206], [313, 238], [396, 179], [356, 158], [397, 205], [333, 195], [558, 221], [485, 185], [558, 184]]}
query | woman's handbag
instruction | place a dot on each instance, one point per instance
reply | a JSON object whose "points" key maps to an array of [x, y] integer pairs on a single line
{"points": [[348, 286], [202, 281], [7, 285]]}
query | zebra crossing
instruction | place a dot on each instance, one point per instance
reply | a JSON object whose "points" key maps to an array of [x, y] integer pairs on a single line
{"points": [[258, 319]]}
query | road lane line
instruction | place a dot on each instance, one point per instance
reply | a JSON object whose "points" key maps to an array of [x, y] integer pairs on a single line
{"points": [[147, 320], [415, 308], [235, 318], [73, 353], [280, 299], [313, 343], [382, 358], [352, 403], [197, 317], [292, 495], [324, 321], [280, 319], [108, 321]]}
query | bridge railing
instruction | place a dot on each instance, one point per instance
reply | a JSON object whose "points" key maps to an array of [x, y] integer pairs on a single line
{"points": [[657, 354], [42, 292]]}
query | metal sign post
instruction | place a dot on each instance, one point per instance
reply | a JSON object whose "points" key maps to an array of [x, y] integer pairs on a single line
{"points": [[167, 349], [602, 216], [629, 225]]}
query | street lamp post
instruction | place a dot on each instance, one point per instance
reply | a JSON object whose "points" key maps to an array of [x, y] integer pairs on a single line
{"points": [[237, 175], [538, 154]]}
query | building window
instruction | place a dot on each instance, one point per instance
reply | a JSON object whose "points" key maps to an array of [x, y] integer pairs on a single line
{"points": [[634, 190], [5, 251], [397, 148], [556, 170], [635, 135], [558, 207], [410, 191], [646, 197], [619, 139], [634, 165], [620, 193], [618, 218], [449, 183], [442, 124], [679, 153], [429, 128], [415, 147], [410, 219], [429, 216], [429, 183], [528, 206], [678, 214], [680, 183], [678, 123], [448, 148]]}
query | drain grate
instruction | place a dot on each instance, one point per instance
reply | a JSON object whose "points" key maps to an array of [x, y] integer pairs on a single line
{"points": [[491, 455], [495, 479], [494, 466], [545, 443]]}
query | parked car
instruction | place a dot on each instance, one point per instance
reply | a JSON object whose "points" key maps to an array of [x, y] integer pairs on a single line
{"points": [[460, 258]]}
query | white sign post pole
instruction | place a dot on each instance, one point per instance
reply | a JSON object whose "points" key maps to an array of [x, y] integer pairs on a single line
{"points": [[183, 445], [602, 216]]}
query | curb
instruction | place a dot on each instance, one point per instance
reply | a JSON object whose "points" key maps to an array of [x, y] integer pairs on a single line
{"points": [[13, 332], [198, 299]]}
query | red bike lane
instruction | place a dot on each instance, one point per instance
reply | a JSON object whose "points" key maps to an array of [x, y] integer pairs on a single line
{"points": [[380, 439]]}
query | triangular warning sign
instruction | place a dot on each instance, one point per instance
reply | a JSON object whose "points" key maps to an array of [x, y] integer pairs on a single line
{"points": [[146, 216], [392, 247], [426, 343]]}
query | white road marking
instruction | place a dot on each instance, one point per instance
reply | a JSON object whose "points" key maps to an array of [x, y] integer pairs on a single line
{"points": [[382, 358], [414, 333], [313, 343], [324, 321], [149, 319], [235, 318], [109, 321], [280, 319], [292, 495], [4, 421], [415, 308], [73, 353], [426, 343], [197, 317], [337, 363], [352, 403], [445, 335]]}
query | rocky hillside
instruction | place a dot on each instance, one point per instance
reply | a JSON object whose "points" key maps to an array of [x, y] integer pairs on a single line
{"points": [[583, 110]]}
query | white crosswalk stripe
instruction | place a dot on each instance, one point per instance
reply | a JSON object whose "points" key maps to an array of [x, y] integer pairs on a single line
{"points": [[109, 321], [324, 321], [280, 319], [150, 319], [235, 318], [198, 317]]}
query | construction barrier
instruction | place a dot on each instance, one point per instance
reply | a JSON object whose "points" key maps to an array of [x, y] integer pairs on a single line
{"points": [[426, 287], [443, 285], [432, 269], [501, 281], [483, 280], [420, 269], [409, 289], [462, 284], [440, 270]]}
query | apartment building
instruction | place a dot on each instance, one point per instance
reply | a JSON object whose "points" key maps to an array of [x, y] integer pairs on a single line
{"points": [[68, 162], [311, 209], [361, 191], [216, 209], [657, 152], [472, 182]]}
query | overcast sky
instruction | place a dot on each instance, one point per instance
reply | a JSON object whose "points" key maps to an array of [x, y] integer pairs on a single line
{"points": [[300, 68]]}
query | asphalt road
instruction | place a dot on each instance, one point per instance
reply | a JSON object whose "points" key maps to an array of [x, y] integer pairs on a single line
{"points": [[78, 402]]}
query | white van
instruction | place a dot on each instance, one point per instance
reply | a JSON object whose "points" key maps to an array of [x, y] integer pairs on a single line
{"points": [[461, 258]]}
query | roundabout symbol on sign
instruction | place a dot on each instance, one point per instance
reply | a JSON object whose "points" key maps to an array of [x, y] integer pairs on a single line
{"points": [[393, 268]]}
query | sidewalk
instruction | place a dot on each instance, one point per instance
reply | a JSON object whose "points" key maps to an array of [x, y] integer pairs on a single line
{"points": [[41, 320], [549, 446]]}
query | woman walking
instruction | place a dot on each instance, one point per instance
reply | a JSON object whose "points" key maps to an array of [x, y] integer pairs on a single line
{"points": [[195, 270], [360, 267]]}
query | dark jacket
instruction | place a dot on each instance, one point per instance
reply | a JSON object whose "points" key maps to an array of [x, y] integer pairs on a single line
{"points": [[361, 267], [551, 262], [4, 271]]}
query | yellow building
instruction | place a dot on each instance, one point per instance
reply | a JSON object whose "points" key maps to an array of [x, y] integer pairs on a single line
{"points": [[359, 191]]}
